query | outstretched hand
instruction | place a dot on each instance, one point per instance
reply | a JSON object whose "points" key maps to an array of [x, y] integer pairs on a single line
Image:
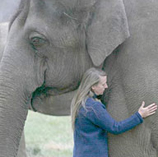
{"points": [[147, 111]]}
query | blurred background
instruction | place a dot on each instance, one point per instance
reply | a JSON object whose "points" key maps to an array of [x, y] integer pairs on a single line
{"points": [[7, 9], [48, 136]]}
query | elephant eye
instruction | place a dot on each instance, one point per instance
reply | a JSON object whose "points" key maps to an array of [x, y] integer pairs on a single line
{"points": [[37, 42]]}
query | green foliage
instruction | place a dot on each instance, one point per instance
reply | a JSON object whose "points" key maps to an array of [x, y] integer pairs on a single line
{"points": [[48, 136]]}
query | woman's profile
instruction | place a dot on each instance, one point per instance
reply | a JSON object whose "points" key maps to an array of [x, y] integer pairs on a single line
{"points": [[90, 120]]}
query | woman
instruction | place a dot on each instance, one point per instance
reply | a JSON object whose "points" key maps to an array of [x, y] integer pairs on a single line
{"points": [[91, 121]]}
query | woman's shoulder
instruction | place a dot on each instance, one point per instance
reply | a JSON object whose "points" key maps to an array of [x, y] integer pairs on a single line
{"points": [[90, 101], [93, 102]]}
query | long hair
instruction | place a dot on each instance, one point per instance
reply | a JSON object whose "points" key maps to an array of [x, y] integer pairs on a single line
{"points": [[91, 77]]}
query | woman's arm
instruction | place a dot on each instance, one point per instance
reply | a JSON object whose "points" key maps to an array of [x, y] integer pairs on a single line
{"points": [[100, 117]]}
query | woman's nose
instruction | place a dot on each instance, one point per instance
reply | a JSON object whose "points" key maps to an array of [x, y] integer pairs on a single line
{"points": [[106, 86]]}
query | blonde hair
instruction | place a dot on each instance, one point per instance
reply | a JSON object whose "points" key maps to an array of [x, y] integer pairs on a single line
{"points": [[90, 78]]}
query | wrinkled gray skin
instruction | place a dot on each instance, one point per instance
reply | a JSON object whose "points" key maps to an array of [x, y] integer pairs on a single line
{"points": [[3, 39], [52, 43]]}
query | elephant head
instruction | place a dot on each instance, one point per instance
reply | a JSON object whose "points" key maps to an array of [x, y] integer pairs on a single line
{"points": [[89, 37], [50, 45]]}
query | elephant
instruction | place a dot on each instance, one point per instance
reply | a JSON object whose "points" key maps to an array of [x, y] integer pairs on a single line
{"points": [[52, 43], [5, 15], [3, 38]]}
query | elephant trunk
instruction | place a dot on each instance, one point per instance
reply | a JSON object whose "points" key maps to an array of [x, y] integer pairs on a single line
{"points": [[12, 116], [15, 93]]}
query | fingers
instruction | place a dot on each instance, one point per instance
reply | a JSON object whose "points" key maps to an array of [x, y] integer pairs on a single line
{"points": [[143, 104], [147, 111], [153, 109], [151, 105], [151, 113]]}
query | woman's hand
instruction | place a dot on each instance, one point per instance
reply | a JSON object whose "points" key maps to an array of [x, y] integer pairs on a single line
{"points": [[147, 111]]}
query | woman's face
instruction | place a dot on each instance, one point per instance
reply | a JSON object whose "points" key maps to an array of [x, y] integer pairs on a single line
{"points": [[99, 88]]}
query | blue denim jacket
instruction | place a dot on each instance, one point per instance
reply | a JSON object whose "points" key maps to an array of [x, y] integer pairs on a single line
{"points": [[92, 126]]}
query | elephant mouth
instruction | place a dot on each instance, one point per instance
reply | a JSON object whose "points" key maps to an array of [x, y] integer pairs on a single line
{"points": [[43, 92]]}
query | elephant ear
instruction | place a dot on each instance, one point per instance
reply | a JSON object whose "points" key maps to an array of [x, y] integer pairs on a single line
{"points": [[107, 28]]}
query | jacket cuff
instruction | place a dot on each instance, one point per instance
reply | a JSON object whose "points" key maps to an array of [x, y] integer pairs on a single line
{"points": [[140, 117]]}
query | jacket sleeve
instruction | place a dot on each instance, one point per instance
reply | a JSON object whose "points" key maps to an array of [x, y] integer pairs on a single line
{"points": [[98, 115]]}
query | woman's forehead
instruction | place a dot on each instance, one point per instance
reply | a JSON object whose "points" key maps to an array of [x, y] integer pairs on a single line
{"points": [[103, 79]]}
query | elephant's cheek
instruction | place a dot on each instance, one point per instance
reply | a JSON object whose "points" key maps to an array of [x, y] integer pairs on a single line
{"points": [[54, 105]]}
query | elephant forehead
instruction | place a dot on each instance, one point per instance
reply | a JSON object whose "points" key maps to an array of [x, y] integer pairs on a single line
{"points": [[62, 4], [53, 9], [62, 12]]}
